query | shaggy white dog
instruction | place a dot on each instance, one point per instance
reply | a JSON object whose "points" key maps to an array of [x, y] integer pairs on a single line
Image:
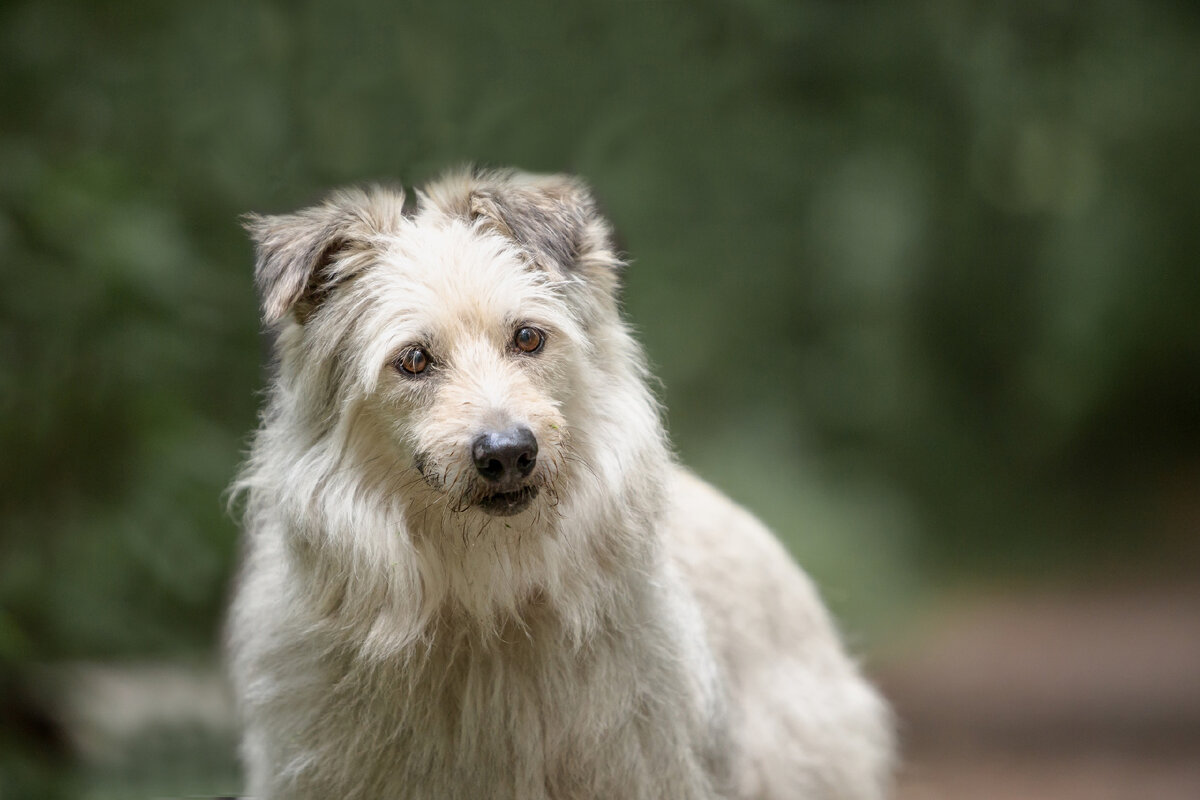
{"points": [[472, 567]]}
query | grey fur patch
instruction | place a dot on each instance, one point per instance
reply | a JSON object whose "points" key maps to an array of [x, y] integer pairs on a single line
{"points": [[545, 226], [553, 218], [300, 258]]}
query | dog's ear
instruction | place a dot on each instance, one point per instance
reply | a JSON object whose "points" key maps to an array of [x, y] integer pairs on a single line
{"points": [[300, 258], [554, 218], [293, 256]]}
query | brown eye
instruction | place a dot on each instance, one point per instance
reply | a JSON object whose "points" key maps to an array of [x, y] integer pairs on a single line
{"points": [[529, 340], [414, 360]]}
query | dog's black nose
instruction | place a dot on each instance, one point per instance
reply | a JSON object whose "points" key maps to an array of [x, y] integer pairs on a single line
{"points": [[505, 456]]}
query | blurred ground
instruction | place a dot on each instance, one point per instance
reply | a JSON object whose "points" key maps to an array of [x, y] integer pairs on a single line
{"points": [[1089, 694]]}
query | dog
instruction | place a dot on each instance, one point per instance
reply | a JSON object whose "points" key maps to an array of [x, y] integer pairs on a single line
{"points": [[472, 567]]}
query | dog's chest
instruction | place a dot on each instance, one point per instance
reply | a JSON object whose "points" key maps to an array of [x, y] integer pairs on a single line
{"points": [[519, 719]]}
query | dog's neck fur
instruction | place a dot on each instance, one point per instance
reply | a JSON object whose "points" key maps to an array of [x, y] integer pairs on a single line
{"points": [[364, 551]]}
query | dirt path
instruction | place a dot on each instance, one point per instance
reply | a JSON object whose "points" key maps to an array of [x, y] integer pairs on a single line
{"points": [[1088, 695]]}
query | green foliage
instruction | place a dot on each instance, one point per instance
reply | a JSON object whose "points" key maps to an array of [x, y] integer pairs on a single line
{"points": [[919, 278]]}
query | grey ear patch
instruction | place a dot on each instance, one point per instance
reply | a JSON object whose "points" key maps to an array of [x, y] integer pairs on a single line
{"points": [[546, 227], [301, 258], [553, 218], [292, 259]]}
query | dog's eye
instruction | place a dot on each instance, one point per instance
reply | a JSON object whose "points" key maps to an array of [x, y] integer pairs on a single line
{"points": [[529, 340], [414, 361]]}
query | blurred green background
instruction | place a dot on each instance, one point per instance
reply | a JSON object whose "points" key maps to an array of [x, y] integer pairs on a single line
{"points": [[920, 280]]}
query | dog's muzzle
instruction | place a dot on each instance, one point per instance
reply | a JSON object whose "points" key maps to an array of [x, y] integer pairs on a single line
{"points": [[505, 459]]}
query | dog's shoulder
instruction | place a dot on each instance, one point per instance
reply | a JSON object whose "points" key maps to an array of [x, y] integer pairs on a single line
{"points": [[741, 574]]}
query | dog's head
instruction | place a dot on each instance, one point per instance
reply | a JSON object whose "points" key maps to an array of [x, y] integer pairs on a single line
{"points": [[441, 349]]}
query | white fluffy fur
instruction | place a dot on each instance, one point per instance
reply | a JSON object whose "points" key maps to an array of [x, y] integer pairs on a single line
{"points": [[633, 634]]}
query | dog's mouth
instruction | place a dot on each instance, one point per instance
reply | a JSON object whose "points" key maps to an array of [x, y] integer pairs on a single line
{"points": [[505, 504]]}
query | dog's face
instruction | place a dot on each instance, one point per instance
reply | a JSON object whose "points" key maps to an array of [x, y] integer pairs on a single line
{"points": [[472, 382], [444, 345]]}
